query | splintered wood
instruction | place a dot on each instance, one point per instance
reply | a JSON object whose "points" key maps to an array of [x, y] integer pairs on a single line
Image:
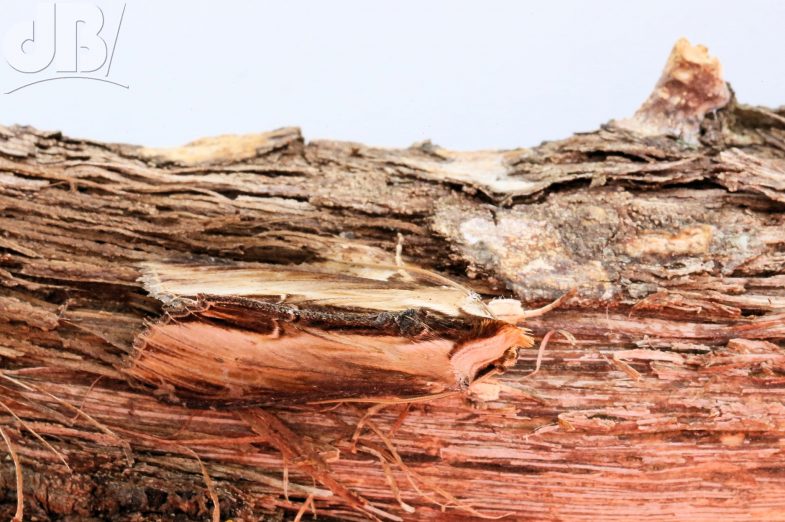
{"points": [[170, 317], [262, 334]]}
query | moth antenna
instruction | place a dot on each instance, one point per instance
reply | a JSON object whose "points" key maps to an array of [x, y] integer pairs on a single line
{"points": [[511, 311], [551, 306]]}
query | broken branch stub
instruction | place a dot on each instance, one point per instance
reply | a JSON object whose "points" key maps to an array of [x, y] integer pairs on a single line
{"points": [[691, 86]]}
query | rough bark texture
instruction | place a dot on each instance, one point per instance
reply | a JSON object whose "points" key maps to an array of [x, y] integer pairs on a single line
{"points": [[669, 404]]}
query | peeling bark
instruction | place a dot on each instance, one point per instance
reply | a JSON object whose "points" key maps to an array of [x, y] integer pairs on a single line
{"points": [[669, 403]]}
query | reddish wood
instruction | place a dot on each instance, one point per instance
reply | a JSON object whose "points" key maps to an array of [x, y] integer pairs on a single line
{"points": [[668, 405]]}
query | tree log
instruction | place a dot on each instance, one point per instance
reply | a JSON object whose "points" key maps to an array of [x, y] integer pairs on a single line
{"points": [[664, 399]]}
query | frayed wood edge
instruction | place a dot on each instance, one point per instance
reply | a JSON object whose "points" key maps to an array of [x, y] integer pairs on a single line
{"points": [[20, 494], [35, 434], [544, 344], [286, 479], [399, 421], [209, 483], [413, 477], [304, 508], [151, 282], [179, 445], [292, 447], [370, 412], [106, 431], [84, 397], [623, 366], [389, 475]]}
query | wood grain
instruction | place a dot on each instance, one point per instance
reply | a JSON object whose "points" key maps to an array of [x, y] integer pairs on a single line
{"points": [[668, 405]]}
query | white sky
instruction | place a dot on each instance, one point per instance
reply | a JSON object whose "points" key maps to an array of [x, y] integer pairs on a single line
{"points": [[467, 75]]}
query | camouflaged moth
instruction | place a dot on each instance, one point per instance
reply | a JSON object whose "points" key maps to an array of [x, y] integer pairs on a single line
{"points": [[257, 334]]}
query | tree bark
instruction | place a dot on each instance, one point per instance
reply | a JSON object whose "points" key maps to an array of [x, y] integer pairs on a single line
{"points": [[667, 403]]}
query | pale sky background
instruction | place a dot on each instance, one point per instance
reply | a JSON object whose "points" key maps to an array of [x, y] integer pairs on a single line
{"points": [[467, 75]]}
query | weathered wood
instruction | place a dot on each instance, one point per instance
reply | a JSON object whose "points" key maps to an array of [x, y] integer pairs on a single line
{"points": [[669, 404]]}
